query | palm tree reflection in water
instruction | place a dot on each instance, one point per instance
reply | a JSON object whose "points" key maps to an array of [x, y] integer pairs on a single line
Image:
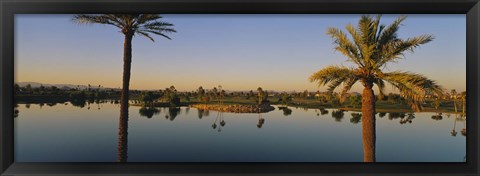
{"points": [[261, 121], [464, 130], [454, 133], [219, 118]]}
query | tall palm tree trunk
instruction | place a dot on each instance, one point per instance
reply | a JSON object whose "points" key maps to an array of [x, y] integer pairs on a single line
{"points": [[368, 123], [123, 127]]}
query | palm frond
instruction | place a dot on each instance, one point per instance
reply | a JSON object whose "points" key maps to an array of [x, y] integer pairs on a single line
{"points": [[143, 18], [395, 49], [414, 87], [92, 19], [390, 32], [156, 27], [333, 76], [349, 82], [156, 32], [367, 28], [141, 24], [381, 87], [145, 35], [345, 46]]}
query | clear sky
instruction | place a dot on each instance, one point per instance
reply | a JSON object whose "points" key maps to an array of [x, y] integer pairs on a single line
{"points": [[239, 52]]}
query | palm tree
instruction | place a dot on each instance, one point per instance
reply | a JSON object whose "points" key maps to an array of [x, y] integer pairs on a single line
{"points": [[373, 46], [130, 25], [464, 101], [454, 96], [261, 95]]}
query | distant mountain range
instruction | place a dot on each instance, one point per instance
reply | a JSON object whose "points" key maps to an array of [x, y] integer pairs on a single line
{"points": [[60, 86]]}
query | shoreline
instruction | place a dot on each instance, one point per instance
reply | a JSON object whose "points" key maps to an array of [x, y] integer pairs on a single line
{"points": [[236, 108]]}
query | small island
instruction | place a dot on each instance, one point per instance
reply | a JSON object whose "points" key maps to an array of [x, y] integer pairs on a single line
{"points": [[236, 108]]}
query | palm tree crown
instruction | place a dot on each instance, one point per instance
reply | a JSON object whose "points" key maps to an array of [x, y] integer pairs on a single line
{"points": [[372, 45], [130, 24]]}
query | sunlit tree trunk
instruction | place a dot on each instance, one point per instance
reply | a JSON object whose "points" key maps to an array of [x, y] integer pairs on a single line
{"points": [[123, 126], [368, 123]]}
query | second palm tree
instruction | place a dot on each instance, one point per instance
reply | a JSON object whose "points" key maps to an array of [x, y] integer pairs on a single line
{"points": [[374, 46]]}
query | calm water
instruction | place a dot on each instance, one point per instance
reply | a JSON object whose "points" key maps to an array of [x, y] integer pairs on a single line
{"points": [[65, 133]]}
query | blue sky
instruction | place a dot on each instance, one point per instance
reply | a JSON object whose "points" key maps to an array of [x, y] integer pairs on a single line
{"points": [[239, 52]]}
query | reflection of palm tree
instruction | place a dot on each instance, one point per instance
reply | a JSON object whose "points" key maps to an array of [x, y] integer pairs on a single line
{"points": [[221, 121], [219, 118], [129, 24], [374, 46], [261, 121], [464, 129], [16, 111], [454, 133]]}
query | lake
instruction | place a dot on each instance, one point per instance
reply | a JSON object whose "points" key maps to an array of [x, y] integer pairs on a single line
{"points": [[67, 133]]}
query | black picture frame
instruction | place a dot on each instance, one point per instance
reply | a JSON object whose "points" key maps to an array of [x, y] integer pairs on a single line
{"points": [[8, 8]]}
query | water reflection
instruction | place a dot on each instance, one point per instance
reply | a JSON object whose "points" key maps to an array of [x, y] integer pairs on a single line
{"points": [[261, 120], [396, 115], [286, 111], [409, 119], [200, 113], [338, 115], [323, 111], [437, 116], [148, 111], [173, 112], [464, 130], [356, 117], [220, 120], [454, 133], [78, 103], [382, 114], [15, 111]]}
